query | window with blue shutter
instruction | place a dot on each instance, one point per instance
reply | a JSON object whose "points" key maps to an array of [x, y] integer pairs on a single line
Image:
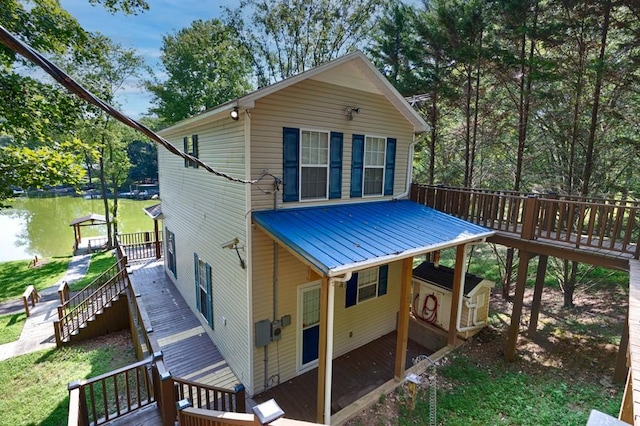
{"points": [[335, 166], [196, 273], [209, 296], [383, 276], [366, 285], [185, 142], [191, 147], [170, 241], [291, 166], [357, 165], [352, 291], [389, 167]]}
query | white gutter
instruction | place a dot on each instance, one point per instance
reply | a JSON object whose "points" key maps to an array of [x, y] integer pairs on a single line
{"points": [[329, 354], [412, 148]]}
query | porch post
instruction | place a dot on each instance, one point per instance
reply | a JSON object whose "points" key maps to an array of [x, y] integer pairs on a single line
{"points": [[459, 273], [518, 299], [322, 351], [403, 318], [157, 236]]}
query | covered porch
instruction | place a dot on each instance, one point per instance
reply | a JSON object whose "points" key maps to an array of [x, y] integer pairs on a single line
{"points": [[339, 242]]}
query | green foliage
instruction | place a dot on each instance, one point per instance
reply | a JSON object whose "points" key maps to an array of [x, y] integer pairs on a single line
{"points": [[482, 395], [34, 386], [11, 327], [205, 65], [100, 263], [285, 38], [18, 274]]}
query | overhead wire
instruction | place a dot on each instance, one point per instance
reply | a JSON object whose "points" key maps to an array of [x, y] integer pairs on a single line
{"points": [[22, 48]]}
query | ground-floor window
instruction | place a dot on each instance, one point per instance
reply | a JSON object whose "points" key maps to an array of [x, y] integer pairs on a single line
{"points": [[170, 239], [204, 296], [366, 285]]}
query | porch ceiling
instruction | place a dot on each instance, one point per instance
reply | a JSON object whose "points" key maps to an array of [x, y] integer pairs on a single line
{"points": [[341, 238]]}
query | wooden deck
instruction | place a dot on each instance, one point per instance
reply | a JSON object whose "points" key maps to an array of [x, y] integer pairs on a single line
{"points": [[188, 351], [354, 375]]}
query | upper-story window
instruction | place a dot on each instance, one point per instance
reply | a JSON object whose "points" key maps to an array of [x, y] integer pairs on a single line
{"points": [[312, 165], [191, 148], [373, 160], [374, 152]]}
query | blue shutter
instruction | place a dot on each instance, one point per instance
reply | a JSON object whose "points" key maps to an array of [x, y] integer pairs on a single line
{"points": [[335, 166], [195, 272], [290, 167], [352, 291], [389, 167], [357, 165], [196, 150], [185, 141], [209, 296], [383, 276]]}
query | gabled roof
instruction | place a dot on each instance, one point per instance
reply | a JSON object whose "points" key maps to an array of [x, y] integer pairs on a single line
{"points": [[91, 219], [353, 70], [343, 238]]}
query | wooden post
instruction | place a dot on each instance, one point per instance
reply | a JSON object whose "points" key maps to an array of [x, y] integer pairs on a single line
{"points": [[403, 318], [537, 294], [322, 349], [514, 328], [620, 373], [626, 407], [458, 279], [157, 236]]}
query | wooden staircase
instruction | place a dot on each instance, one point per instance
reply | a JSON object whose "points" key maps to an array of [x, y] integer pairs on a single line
{"points": [[78, 312]]}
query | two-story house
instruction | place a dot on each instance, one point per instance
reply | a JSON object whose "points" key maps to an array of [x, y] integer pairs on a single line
{"points": [[308, 254]]}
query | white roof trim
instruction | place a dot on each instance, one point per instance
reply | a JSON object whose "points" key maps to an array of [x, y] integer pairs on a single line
{"points": [[367, 67]]}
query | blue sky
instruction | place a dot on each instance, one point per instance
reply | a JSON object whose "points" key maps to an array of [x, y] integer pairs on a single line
{"points": [[144, 33]]}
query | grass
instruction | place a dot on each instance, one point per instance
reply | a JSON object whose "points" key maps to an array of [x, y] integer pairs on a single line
{"points": [[482, 395], [17, 275], [100, 262], [11, 327], [34, 386]]}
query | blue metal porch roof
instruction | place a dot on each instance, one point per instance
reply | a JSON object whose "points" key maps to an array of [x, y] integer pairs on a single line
{"points": [[340, 238]]}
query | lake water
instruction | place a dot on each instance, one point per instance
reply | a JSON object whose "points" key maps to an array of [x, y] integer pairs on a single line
{"points": [[40, 226]]}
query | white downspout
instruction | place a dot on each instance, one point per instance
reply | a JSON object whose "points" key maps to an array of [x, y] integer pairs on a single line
{"points": [[405, 194], [329, 354]]}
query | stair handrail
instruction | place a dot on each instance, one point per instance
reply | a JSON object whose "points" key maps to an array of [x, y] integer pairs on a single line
{"points": [[91, 288]]}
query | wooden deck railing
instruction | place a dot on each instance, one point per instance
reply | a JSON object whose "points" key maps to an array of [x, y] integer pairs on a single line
{"points": [[109, 396], [210, 397], [91, 301], [583, 222], [141, 245]]}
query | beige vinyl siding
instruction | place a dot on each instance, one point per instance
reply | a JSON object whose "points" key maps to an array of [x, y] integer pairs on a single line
{"points": [[366, 321], [317, 105], [204, 211]]}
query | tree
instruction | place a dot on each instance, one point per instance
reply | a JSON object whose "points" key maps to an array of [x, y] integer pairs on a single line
{"points": [[288, 37], [206, 66]]}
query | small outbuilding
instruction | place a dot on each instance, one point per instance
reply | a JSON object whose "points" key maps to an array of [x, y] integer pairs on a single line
{"points": [[92, 219]]}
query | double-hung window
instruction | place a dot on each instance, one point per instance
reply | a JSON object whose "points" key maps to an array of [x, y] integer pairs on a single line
{"points": [[366, 285], [312, 165], [191, 147], [204, 296], [170, 241], [373, 161], [374, 153]]}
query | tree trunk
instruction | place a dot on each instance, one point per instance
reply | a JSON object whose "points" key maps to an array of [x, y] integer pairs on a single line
{"points": [[588, 164], [105, 200], [434, 128], [570, 285]]}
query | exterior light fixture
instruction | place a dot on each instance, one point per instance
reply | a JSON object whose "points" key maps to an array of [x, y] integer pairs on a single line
{"points": [[235, 115], [268, 411], [233, 245], [349, 110]]}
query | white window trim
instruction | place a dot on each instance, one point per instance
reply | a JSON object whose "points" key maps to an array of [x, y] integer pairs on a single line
{"points": [[364, 165], [328, 166], [376, 284], [202, 283]]}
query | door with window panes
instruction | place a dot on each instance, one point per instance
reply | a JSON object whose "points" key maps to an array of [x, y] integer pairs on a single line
{"points": [[308, 325]]}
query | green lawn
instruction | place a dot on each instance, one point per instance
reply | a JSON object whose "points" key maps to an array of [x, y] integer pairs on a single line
{"points": [[34, 386], [11, 327], [100, 262], [16, 275], [485, 395]]}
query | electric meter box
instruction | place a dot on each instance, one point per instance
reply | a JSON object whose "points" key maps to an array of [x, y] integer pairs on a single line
{"points": [[432, 294]]}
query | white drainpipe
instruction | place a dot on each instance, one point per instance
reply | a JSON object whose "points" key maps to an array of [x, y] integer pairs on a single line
{"points": [[329, 354], [405, 194]]}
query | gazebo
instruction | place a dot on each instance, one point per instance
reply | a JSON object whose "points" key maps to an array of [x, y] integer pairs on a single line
{"points": [[89, 220]]}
